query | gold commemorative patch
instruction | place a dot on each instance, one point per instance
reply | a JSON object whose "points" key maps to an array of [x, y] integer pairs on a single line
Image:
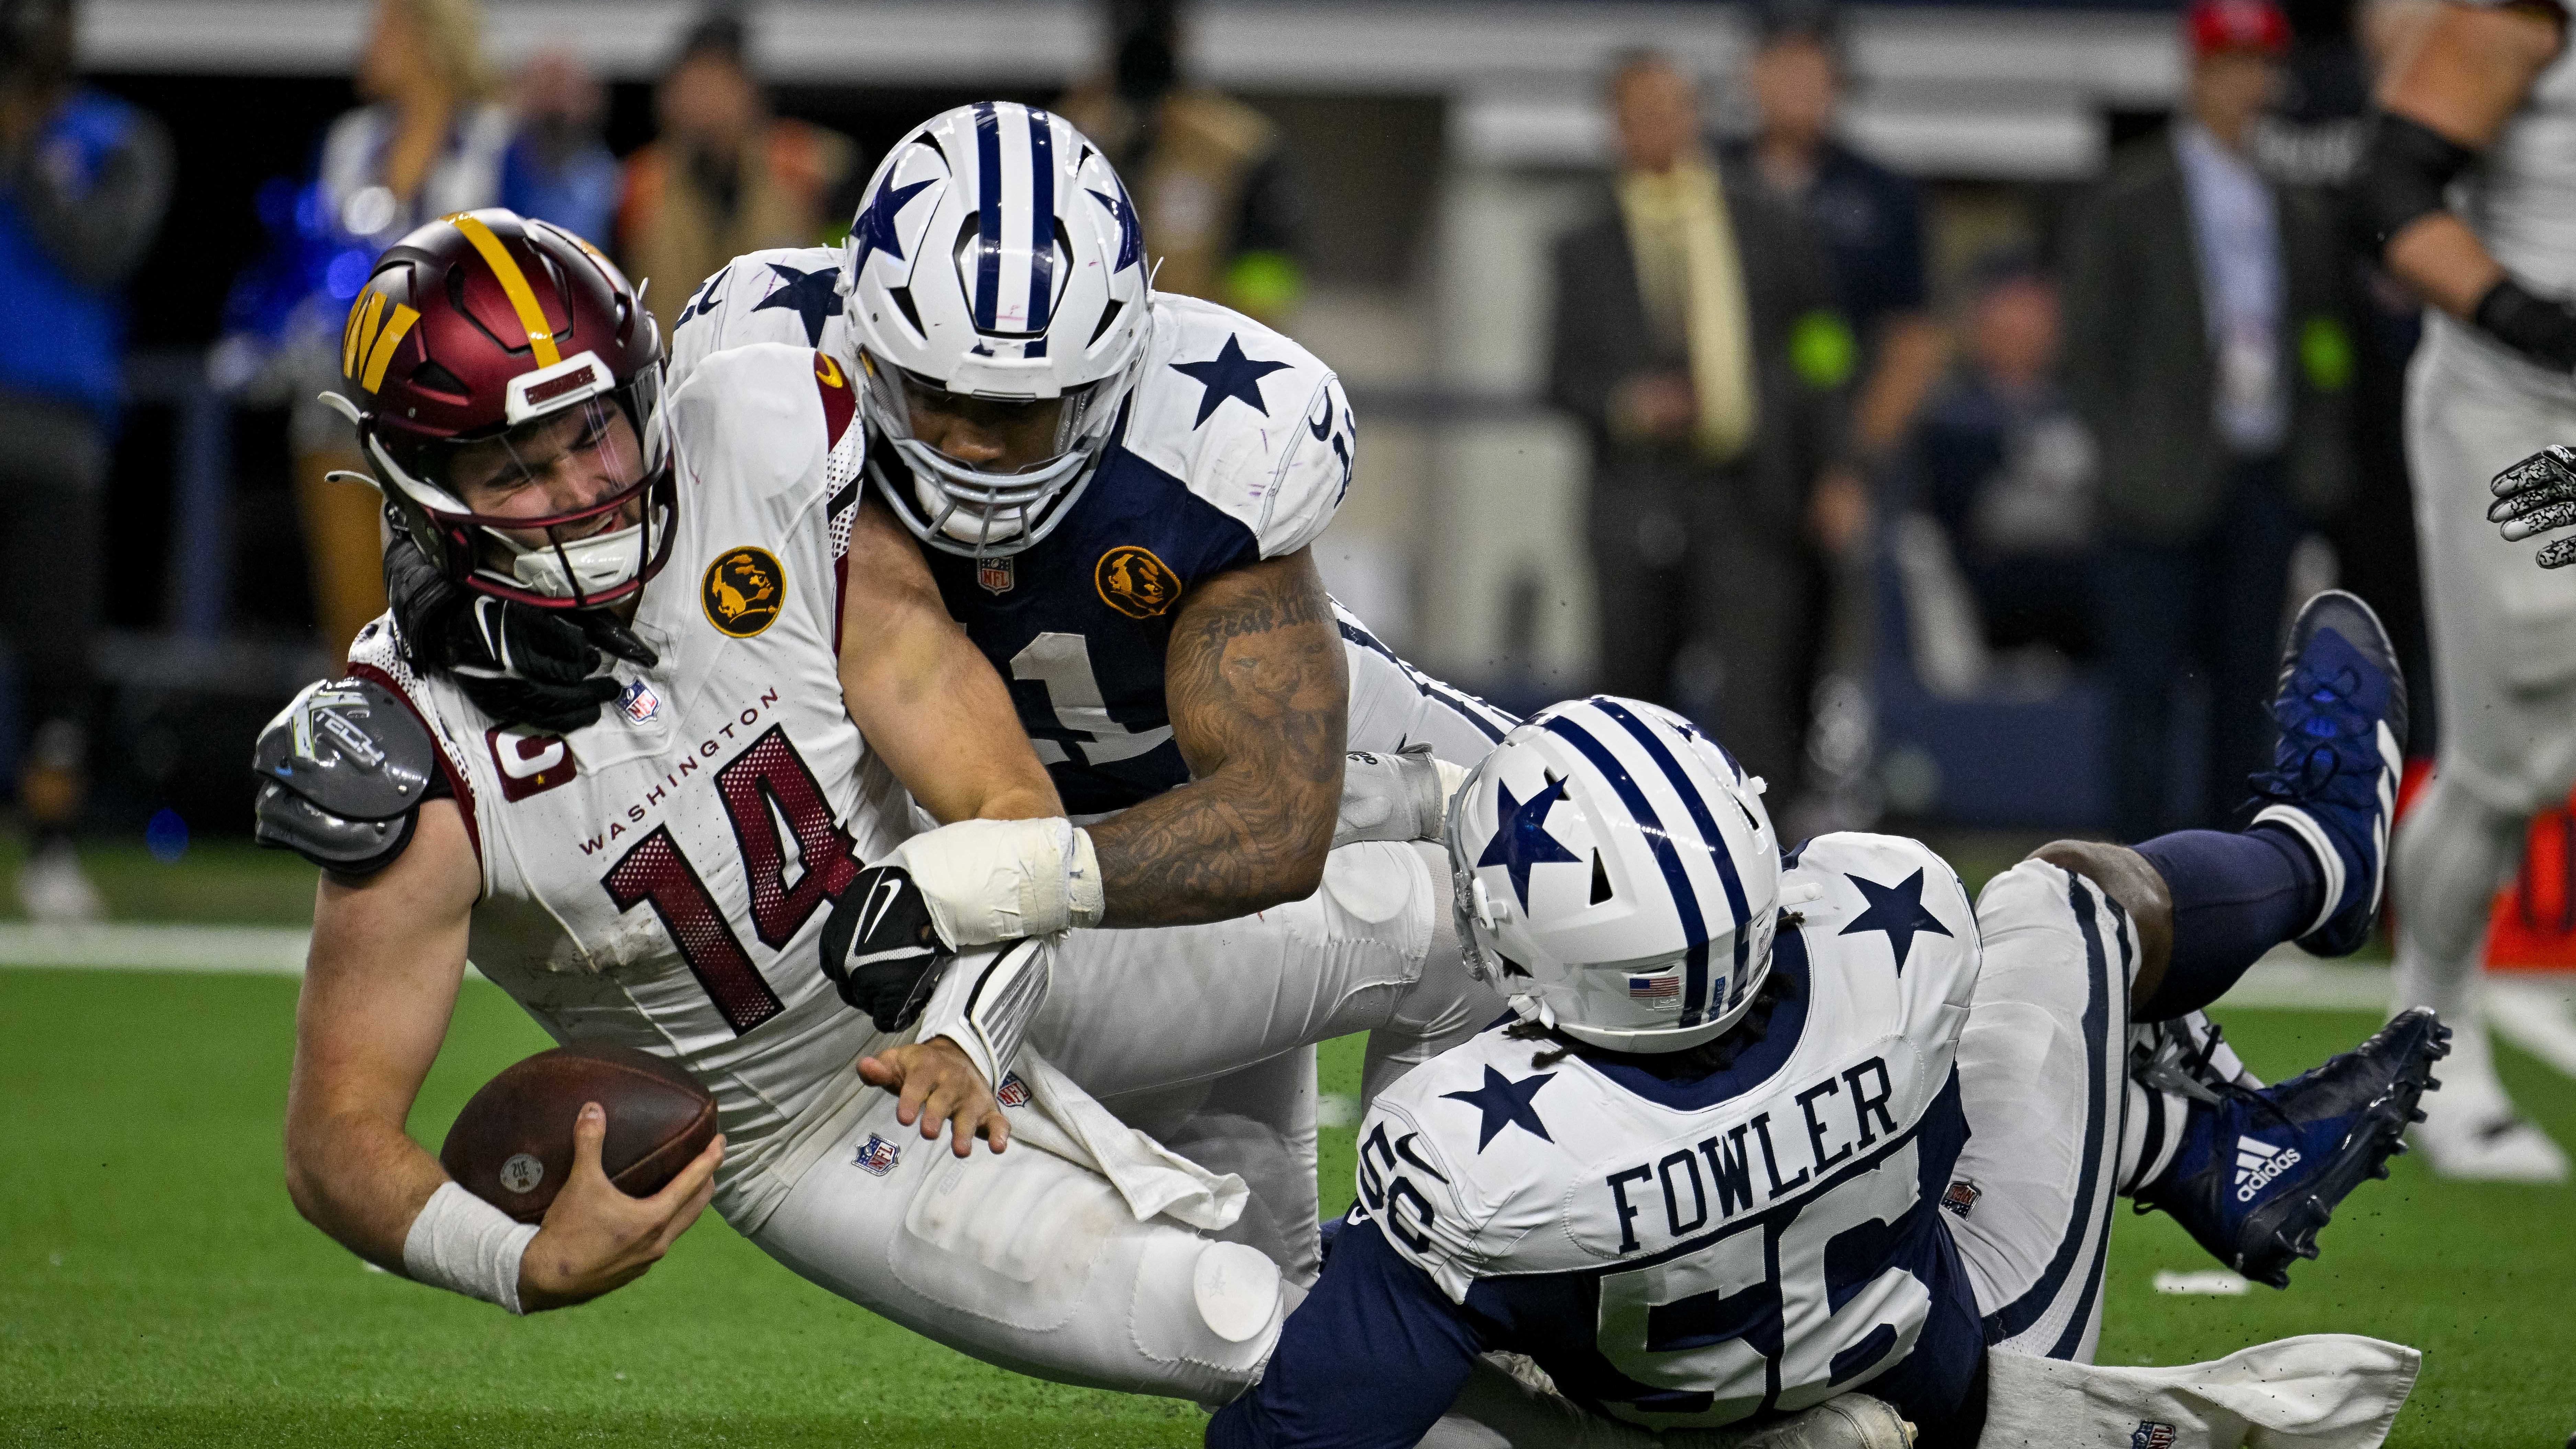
{"points": [[1134, 582], [743, 591]]}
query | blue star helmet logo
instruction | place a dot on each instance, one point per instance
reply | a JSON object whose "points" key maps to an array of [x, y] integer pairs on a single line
{"points": [[874, 230], [813, 296], [1898, 910], [1131, 237], [1521, 839], [1504, 1103], [1229, 374]]}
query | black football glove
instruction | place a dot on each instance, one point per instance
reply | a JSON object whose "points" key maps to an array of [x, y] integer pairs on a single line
{"points": [[880, 948], [2535, 496], [518, 664]]}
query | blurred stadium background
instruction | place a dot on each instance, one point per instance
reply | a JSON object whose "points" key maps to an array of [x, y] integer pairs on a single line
{"points": [[154, 1283]]}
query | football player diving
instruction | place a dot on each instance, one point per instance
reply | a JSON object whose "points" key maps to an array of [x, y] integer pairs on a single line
{"points": [[1116, 492], [1769, 1129], [663, 875]]}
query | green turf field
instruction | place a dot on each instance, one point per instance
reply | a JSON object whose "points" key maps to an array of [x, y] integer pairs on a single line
{"points": [[156, 1287]]}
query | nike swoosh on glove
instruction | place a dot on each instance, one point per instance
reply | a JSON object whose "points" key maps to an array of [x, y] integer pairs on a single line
{"points": [[520, 665], [880, 948]]}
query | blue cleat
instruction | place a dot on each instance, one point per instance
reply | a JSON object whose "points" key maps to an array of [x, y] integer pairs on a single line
{"points": [[2259, 1171], [2341, 707]]}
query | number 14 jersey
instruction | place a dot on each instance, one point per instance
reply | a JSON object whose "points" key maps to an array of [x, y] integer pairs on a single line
{"points": [[660, 877]]}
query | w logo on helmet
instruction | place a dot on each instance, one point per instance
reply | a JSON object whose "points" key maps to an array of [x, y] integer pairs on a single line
{"points": [[368, 340]]}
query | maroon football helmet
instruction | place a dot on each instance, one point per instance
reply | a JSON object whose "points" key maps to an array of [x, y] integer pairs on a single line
{"points": [[487, 355]]}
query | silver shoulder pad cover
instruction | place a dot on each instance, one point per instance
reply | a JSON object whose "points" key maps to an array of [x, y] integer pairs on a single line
{"points": [[343, 770]]}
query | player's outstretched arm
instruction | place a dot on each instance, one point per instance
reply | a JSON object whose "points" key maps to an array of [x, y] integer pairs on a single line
{"points": [[1259, 697], [379, 985], [925, 697], [2443, 102]]}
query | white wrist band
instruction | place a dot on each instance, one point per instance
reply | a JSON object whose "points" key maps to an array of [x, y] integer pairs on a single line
{"points": [[1000, 880], [465, 1245]]}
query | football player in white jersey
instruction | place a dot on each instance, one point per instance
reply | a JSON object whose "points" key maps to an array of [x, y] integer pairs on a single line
{"points": [[2486, 100], [1116, 492], [1770, 1129], [660, 873]]}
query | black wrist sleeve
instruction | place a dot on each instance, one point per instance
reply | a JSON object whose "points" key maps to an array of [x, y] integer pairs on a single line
{"points": [[2406, 166], [2540, 328]]}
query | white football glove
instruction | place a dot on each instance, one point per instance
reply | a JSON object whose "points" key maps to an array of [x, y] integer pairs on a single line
{"points": [[1400, 796]]}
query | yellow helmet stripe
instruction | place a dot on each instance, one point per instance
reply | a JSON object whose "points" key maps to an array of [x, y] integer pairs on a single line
{"points": [[361, 326], [514, 284], [383, 352]]}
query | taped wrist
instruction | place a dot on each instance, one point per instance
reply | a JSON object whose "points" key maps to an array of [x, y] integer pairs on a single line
{"points": [[1399, 796], [2406, 170], [987, 999], [1000, 880], [2540, 328], [465, 1245]]}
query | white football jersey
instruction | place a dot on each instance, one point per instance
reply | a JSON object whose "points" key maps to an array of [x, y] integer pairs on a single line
{"points": [[2521, 196], [660, 877], [1693, 1253]]}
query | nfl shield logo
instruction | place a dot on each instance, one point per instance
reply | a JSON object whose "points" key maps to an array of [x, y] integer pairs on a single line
{"points": [[640, 703], [877, 1156], [1962, 1196], [2151, 1434], [997, 575], [1014, 1092]]}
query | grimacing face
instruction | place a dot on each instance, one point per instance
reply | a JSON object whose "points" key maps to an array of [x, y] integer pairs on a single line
{"points": [[562, 463]]}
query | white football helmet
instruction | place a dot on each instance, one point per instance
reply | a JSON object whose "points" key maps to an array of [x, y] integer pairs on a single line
{"points": [[997, 257], [1617, 876]]}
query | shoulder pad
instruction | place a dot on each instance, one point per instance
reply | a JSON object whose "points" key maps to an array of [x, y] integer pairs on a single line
{"points": [[343, 770], [784, 294], [1247, 419], [1455, 1202]]}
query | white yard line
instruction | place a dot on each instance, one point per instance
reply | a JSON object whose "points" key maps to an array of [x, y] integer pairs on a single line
{"points": [[130, 946], [2536, 1012], [2290, 979]]}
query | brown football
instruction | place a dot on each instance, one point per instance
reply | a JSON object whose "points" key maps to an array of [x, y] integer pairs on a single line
{"points": [[512, 1145]]}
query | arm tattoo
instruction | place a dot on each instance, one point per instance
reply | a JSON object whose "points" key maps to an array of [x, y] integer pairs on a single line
{"points": [[1259, 698]]}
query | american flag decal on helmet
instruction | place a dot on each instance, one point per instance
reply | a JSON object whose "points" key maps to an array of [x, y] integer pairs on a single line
{"points": [[1655, 988]]}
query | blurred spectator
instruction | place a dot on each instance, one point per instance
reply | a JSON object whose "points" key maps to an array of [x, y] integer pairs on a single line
{"points": [[558, 167], [2001, 462], [1683, 317], [83, 179], [1869, 221], [428, 140], [1222, 212], [2208, 353], [725, 176]]}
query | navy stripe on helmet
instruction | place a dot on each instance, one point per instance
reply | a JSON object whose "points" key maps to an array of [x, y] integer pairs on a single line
{"points": [[1727, 875], [1041, 218], [1676, 879], [988, 186]]}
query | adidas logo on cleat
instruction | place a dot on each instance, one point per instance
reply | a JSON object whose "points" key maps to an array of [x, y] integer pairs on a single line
{"points": [[2257, 1163]]}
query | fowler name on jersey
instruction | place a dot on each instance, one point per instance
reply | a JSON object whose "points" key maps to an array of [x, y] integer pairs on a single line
{"points": [[660, 877], [1682, 1250]]}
